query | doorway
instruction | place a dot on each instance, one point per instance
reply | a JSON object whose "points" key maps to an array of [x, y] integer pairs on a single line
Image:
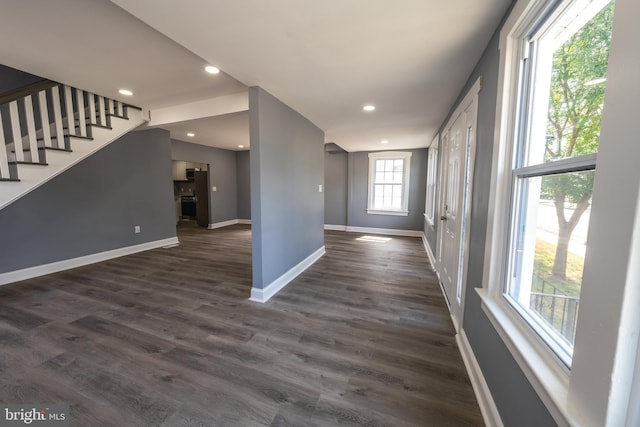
{"points": [[191, 196], [455, 183]]}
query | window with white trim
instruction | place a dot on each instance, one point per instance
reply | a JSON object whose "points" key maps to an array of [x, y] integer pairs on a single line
{"points": [[563, 65], [389, 183], [585, 382], [432, 175]]}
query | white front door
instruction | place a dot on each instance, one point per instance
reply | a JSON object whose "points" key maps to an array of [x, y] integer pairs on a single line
{"points": [[457, 160]]}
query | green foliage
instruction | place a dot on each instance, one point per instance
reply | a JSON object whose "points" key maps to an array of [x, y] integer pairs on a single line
{"points": [[575, 187], [575, 104], [573, 128]]}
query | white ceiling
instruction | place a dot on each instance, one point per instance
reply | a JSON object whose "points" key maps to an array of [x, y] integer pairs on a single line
{"points": [[325, 59], [226, 131]]}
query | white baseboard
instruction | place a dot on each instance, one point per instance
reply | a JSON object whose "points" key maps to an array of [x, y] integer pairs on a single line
{"points": [[263, 295], [488, 407], [54, 267], [228, 223], [427, 248], [387, 231], [335, 227], [222, 224]]}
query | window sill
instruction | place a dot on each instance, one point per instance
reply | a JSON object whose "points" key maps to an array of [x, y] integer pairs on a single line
{"points": [[547, 375], [381, 212]]}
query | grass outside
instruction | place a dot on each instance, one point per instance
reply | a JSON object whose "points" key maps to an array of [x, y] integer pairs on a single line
{"points": [[543, 264], [560, 313]]}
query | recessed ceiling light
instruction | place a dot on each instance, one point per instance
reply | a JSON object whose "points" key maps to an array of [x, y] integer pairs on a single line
{"points": [[191, 134], [240, 146], [211, 69], [126, 92], [384, 141], [369, 107]]}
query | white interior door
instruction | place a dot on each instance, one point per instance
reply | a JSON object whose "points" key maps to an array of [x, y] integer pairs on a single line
{"points": [[452, 212], [458, 151]]}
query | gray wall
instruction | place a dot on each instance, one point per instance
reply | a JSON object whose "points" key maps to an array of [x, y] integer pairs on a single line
{"points": [[94, 206], [11, 79], [336, 180], [516, 400], [243, 173], [358, 193], [287, 166], [223, 203]]}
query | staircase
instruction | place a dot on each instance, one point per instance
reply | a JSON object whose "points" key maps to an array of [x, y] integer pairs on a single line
{"points": [[45, 133]]}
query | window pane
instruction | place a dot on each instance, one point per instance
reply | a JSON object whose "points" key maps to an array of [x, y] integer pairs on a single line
{"points": [[379, 165], [548, 260], [571, 70], [397, 197]]}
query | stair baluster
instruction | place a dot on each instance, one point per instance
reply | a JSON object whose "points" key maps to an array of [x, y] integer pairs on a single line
{"points": [[32, 140], [81, 112], [44, 119], [4, 161], [57, 117], [18, 149], [93, 119], [69, 110], [101, 107]]}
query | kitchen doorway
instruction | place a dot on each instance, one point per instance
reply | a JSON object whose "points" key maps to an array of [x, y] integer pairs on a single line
{"points": [[190, 190]]}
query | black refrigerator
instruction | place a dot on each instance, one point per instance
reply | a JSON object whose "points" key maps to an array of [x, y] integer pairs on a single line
{"points": [[202, 198]]}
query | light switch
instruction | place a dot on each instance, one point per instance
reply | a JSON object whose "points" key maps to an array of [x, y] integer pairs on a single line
{"points": [[214, 188], [320, 188]]}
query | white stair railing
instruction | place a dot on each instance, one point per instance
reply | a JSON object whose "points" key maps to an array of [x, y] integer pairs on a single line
{"points": [[46, 120]]}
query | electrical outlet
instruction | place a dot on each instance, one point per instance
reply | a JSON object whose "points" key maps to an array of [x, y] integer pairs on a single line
{"points": [[136, 229]]}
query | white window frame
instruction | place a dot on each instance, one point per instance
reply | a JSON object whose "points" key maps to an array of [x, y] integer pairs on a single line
{"points": [[432, 177], [405, 156], [596, 391]]}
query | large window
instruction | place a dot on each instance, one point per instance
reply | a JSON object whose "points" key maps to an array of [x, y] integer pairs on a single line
{"points": [[561, 255], [389, 183], [563, 70]]}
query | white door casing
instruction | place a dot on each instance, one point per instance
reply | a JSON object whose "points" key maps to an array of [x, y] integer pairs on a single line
{"points": [[458, 155]]}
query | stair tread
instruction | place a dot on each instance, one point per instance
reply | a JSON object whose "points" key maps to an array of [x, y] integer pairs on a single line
{"points": [[56, 149], [28, 163], [80, 136], [26, 150], [99, 126]]}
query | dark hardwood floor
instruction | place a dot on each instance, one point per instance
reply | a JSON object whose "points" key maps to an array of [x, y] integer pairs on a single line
{"points": [[168, 338]]}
